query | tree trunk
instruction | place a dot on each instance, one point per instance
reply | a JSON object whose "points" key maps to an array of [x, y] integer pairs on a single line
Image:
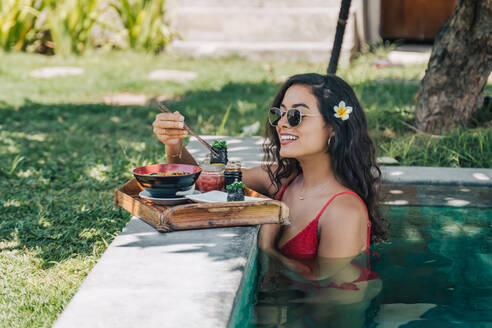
{"points": [[337, 43], [458, 68]]}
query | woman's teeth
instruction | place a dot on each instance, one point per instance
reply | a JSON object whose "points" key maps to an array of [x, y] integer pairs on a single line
{"points": [[288, 138]]}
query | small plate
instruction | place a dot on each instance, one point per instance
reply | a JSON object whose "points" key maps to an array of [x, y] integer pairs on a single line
{"points": [[216, 196], [166, 201]]}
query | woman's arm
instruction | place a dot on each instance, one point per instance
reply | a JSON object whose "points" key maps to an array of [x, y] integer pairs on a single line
{"points": [[169, 129], [179, 154], [343, 230], [267, 237], [267, 243], [257, 178]]}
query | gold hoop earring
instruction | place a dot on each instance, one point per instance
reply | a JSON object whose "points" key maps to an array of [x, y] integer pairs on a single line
{"points": [[329, 142]]}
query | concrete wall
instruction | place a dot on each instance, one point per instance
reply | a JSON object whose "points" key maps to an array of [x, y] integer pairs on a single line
{"points": [[288, 29], [372, 15]]}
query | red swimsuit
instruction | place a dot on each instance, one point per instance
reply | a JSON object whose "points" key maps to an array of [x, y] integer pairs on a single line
{"points": [[304, 245]]}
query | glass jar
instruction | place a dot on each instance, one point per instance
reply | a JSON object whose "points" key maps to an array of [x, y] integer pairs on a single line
{"points": [[235, 195], [232, 172], [211, 178], [220, 158]]}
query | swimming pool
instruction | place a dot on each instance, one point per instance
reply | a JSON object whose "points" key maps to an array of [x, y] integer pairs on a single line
{"points": [[436, 271]]}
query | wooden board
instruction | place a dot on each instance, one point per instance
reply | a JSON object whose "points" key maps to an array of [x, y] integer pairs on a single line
{"points": [[200, 215], [414, 19]]}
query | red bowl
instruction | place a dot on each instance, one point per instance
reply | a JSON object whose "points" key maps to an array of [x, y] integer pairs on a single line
{"points": [[166, 186]]}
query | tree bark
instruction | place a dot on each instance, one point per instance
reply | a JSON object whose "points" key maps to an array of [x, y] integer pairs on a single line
{"points": [[460, 63]]}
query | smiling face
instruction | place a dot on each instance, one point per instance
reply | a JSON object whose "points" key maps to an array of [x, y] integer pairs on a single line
{"points": [[308, 138]]}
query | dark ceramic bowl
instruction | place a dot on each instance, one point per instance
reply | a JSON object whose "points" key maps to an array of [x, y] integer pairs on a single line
{"points": [[167, 186]]}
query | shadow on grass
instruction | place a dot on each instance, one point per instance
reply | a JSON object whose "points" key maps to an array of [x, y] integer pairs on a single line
{"points": [[389, 103], [58, 200]]}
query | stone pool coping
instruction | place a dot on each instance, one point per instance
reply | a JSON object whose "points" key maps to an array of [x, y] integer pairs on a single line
{"points": [[150, 279], [194, 278], [449, 176]]}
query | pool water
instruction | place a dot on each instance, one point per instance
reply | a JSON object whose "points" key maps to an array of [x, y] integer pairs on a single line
{"points": [[436, 271]]}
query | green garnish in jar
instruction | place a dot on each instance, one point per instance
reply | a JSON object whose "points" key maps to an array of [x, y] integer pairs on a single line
{"points": [[235, 191], [220, 147]]}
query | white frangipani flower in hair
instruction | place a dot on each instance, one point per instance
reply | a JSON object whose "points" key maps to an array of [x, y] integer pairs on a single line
{"points": [[342, 111]]}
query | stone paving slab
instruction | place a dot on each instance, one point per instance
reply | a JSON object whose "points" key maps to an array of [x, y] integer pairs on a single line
{"points": [[172, 75], [257, 50], [51, 72], [408, 58], [132, 99]]}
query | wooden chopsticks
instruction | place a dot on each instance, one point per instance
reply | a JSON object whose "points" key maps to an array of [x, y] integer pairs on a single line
{"points": [[164, 109]]}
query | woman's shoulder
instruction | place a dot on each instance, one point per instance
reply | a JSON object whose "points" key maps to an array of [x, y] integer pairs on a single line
{"points": [[342, 225], [343, 208]]}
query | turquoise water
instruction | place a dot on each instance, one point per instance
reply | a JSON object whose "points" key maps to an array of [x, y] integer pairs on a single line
{"points": [[436, 271]]}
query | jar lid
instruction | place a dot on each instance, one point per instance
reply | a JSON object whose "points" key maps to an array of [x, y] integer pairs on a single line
{"points": [[212, 168], [212, 173], [236, 164]]}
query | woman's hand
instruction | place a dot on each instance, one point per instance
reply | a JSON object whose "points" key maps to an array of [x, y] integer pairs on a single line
{"points": [[291, 268], [299, 267], [169, 128]]}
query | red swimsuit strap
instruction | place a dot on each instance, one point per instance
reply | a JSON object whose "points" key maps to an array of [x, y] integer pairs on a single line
{"points": [[365, 207], [281, 193], [279, 197]]}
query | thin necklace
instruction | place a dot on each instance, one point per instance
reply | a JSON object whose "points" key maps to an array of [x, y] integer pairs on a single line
{"points": [[301, 196]]}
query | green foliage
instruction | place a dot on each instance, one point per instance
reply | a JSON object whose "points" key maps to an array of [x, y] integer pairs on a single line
{"points": [[220, 130], [9, 172], [460, 148], [17, 21], [483, 114], [68, 25], [144, 23], [235, 185], [219, 144]]}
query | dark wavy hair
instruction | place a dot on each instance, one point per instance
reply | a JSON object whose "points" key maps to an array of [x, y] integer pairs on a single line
{"points": [[352, 151]]}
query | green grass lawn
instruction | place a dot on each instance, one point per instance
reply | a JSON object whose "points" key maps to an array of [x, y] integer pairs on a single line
{"points": [[63, 151]]}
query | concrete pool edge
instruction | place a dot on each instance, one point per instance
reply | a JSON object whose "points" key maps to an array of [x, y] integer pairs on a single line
{"points": [[244, 295], [145, 278], [427, 175], [436, 186]]}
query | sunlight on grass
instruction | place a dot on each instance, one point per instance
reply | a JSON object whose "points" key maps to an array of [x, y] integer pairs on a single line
{"points": [[34, 295], [99, 172]]}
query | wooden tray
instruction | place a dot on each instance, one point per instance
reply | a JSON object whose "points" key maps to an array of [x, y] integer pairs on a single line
{"points": [[200, 215]]}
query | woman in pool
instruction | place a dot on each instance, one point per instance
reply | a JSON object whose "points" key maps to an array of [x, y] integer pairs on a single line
{"points": [[324, 170], [324, 160]]}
